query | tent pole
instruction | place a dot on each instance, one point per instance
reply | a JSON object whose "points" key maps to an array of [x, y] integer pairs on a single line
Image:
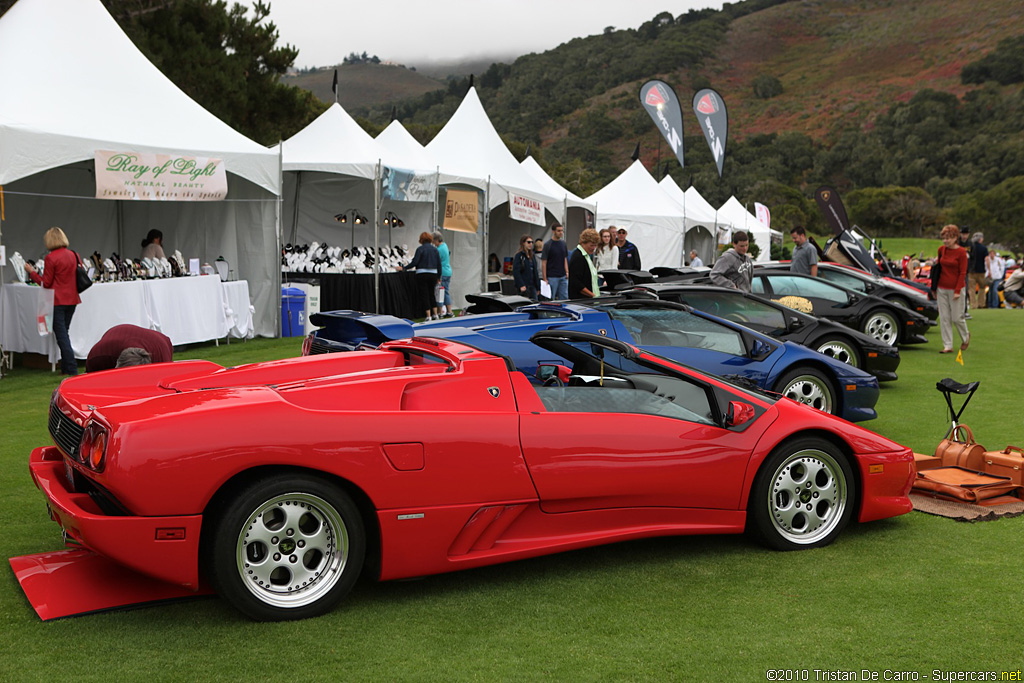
{"points": [[487, 232], [295, 211], [377, 199], [120, 228], [278, 210]]}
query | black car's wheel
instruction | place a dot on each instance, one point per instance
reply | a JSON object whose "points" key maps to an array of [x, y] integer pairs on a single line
{"points": [[802, 496], [809, 386], [899, 301], [882, 325], [841, 349], [288, 547]]}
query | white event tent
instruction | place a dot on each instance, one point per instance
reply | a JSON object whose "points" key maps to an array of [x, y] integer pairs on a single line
{"points": [[470, 154], [332, 166], [654, 220], [701, 222], [742, 219], [574, 221], [74, 84]]}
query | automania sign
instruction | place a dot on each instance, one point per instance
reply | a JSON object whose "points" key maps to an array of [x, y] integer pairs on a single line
{"points": [[159, 177], [525, 209]]}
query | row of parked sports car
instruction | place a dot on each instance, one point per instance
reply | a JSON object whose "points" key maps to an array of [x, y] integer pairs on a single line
{"points": [[433, 447]]}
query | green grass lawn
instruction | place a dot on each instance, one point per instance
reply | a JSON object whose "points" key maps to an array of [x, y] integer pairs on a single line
{"points": [[914, 593]]}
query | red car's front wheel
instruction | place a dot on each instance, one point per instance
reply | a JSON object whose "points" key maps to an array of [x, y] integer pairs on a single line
{"points": [[803, 495], [286, 547]]}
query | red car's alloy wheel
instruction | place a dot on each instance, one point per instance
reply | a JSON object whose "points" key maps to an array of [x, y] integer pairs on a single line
{"points": [[288, 547]]}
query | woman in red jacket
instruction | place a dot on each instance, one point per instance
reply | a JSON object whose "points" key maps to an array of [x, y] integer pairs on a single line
{"points": [[59, 274], [953, 260]]}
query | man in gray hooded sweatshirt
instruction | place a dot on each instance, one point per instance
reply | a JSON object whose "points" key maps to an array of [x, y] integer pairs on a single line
{"points": [[734, 269]]}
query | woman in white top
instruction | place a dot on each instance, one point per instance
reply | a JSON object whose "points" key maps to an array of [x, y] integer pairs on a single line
{"points": [[607, 255]]}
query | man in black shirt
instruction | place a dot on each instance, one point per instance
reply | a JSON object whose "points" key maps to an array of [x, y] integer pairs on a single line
{"points": [[629, 255]]}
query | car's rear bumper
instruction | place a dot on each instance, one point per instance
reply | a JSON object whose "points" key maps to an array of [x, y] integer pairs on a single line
{"points": [[166, 548]]}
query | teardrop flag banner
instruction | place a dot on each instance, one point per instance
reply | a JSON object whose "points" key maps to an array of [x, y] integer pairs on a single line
{"points": [[709, 107], [660, 101], [831, 205]]}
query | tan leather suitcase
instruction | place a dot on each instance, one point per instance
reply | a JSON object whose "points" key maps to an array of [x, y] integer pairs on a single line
{"points": [[1008, 462]]}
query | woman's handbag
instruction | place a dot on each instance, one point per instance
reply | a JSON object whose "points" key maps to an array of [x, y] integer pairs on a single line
{"points": [[936, 272], [82, 279], [961, 450]]}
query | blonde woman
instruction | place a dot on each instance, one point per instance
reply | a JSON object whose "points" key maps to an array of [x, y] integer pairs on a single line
{"points": [[582, 273], [60, 270]]}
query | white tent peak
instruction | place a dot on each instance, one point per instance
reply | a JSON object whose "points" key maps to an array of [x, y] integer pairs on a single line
{"points": [[333, 143], [635, 191], [552, 187], [116, 99], [403, 150], [469, 151], [733, 211], [696, 213], [655, 222]]}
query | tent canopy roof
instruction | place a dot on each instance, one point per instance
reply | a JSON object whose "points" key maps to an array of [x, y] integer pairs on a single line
{"points": [[469, 151], [636, 193], [333, 143], [552, 187], [697, 213], [115, 98], [402, 150]]}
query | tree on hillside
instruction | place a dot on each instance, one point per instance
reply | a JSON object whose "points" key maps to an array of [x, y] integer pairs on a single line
{"points": [[230, 63], [894, 211]]}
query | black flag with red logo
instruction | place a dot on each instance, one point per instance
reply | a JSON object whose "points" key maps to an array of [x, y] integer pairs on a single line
{"points": [[660, 101], [709, 107]]}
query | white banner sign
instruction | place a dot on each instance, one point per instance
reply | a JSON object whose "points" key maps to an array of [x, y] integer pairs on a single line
{"points": [[763, 214], [525, 209], [159, 177]]}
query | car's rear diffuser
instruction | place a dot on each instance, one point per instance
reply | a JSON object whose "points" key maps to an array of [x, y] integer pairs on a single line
{"points": [[78, 581]]}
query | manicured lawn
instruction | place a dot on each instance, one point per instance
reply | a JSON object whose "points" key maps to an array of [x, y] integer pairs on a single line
{"points": [[915, 593]]}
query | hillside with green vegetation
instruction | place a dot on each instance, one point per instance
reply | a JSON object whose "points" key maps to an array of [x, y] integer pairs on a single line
{"points": [[366, 85], [912, 110]]}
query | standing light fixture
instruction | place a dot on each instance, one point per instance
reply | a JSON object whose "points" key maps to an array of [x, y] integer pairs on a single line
{"points": [[353, 217], [391, 220]]}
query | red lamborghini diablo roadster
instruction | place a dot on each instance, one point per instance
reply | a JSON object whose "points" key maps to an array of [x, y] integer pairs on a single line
{"points": [[277, 484]]}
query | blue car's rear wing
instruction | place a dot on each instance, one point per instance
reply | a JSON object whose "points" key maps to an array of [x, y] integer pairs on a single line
{"points": [[369, 328]]}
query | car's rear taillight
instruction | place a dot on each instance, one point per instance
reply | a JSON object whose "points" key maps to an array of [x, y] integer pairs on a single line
{"points": [[93, 450]]}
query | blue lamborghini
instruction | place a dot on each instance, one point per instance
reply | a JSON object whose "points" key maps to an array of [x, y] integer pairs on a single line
{"points": [[673, 330]]}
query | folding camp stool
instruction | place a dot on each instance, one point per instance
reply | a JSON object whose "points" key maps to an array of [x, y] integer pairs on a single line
{"points": [[948, 387]]}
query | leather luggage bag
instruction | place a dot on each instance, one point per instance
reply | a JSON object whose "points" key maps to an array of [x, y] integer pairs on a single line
{"points": [[1008, 462], [962, 450], [962, 484]]}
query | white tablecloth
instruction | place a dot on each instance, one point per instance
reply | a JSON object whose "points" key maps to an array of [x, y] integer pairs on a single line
{"points": [[186, 309]]}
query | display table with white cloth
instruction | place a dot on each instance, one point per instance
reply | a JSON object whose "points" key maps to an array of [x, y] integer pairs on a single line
{"points": [[186, 309]]}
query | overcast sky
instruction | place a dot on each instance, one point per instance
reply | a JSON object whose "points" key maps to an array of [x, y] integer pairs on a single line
{"points": [[412, 31]]}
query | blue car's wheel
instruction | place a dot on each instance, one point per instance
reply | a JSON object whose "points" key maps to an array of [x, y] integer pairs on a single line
{"points": [[802, 496], [810, 387], [287, 547]]}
